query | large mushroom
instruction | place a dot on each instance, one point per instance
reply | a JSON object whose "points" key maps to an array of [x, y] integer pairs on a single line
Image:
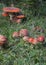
{"points": [[11, 9]]}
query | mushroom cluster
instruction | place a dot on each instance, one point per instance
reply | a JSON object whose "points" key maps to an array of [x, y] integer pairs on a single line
{"points": [[21, 33], [35, 40], [15, 14], [25, 36]]}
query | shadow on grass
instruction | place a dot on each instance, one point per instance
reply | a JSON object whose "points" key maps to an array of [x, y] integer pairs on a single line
{"points": [[44, 44]]}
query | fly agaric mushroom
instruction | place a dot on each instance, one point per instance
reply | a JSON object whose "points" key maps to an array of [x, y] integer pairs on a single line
{"points": [[4, 14], [12, 12], [41, 38], [15, 34], [23, 32], [20, 16], [33, 40], [11, 9], [3, 40], [30, 40], [25, 38]]}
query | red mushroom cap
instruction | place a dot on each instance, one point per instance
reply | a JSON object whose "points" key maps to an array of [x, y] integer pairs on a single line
{"points": [[4, 14], [33, 40], [20, 16], [30, 40], [41, 38], [15, 34], [11, 9], [23, 32]]}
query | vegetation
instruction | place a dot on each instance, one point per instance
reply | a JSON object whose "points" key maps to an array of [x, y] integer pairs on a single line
{"points": [[19, 52], [37, 7]]}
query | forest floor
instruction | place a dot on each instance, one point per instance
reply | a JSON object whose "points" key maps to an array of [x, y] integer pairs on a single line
{"points": [[19, 52]]}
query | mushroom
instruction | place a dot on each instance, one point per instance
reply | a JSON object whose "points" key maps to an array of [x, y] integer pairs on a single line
{"points": [[3, 40], [41, 38], [23, 32], [25, 38], [20, 16], [17, 20], [33, 40], [11, 9], [4, 14], [30, 40], [12, 12], [15, 34]]}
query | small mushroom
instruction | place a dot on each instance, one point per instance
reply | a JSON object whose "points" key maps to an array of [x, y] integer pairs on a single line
{"points": [[41, 38], [15, 34], [11, 9], [33, 40], [23, 32], [3, 40], [20, 16], [25, 38], [18, 20], [30, 40], [4, 14]]}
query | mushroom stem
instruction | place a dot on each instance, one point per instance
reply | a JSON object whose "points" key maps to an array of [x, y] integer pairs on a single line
{"points": [[10, 17]]}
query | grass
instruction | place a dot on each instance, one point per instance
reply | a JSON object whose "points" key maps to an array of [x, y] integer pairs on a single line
{"points": [[22, 53]]}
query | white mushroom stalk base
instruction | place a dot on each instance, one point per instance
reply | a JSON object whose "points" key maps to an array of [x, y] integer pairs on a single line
{"points": [[11, 17]]}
